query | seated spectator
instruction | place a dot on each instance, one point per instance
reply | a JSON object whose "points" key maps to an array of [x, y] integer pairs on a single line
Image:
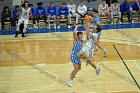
{"points": [[51, 13], [135, 9], [124, 8], [63, 13], [72, 11], [115, 10], [41, 12], [81, 10], [6, 16], [16, 15], [103, 9], [33, 17]]}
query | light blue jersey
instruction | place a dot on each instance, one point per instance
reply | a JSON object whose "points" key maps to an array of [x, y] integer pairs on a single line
{"points": [[76, 49], [96, 20]]}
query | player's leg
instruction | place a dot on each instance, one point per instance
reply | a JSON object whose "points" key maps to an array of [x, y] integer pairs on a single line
{"points": [[119, 14], [58, 22], [68, 20], [48, 19], [112, 16], [99, 46], [54, 17], [18, 26], [89, 61], [77, 66]]}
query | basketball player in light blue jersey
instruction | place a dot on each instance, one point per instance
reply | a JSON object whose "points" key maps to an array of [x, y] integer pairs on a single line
{"points": [[78, 43], [96, 22]]}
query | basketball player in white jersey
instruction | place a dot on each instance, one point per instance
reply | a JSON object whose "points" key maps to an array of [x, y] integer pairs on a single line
{"points": [[103, 9], [24, 18], [72, 11], [115, 10], [86, 51]]}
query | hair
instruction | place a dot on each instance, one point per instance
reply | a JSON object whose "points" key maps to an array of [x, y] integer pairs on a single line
{"points": [[79, 33], [95, 10], [63, 3], [52, 2], [16, 6], [103, 0], [6, 7], [99, 28], [114, 1], [81, 1], [39, 3], [31, 5], [25, 3]]}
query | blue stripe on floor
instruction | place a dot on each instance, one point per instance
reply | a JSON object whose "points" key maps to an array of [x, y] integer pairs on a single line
{"points": [[65, 29]]}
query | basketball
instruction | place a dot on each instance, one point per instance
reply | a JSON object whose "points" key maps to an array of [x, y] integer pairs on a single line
{"points": [[88, 19]]}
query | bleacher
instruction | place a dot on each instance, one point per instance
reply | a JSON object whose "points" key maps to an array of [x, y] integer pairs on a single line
{"points": [[92, 4]]}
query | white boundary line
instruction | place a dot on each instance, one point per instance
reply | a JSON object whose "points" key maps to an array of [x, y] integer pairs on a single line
{"points": [[124, 91], [136, 65], [41, 87]]}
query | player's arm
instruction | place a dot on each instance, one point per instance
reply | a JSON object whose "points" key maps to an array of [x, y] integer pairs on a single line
{"points": [[111, 8], [75, 34], [99, 9], [30, 13], [119, 8]]}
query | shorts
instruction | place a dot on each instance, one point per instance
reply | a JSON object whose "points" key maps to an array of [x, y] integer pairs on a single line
{"points": [[88, 51], [21, 20], [99, 35], [75, 59]]}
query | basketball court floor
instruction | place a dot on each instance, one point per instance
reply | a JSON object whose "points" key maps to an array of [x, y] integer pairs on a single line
{"points": [[40, 63]]}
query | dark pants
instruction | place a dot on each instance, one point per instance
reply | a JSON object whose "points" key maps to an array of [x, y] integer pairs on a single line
{"points": [[5, 20], [33, 18], [125, 13], [15, 20], [41, 17]]}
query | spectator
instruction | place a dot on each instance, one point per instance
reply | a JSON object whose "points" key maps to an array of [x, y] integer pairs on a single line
{"points": [[82, 10], [103, 9], [33, 17], [16, 15], [63, 13], [6, 16], [135, 9], [115, 10], [124, 8], [41, 12], [72, 11], [51, 13]]}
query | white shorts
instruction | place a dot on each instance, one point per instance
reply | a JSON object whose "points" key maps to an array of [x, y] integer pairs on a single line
{"points": [[88, 51], [21, 20]]}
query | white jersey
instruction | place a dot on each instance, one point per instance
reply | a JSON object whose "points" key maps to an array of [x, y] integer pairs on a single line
{"points": [[82, 9], [115, 7], [103, 8], [91, 41], [25, 13], [72, 8]]}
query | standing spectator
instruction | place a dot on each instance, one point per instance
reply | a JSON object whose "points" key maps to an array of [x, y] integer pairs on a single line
{"points": [[41, 12], [103, 9], [135, 9], [6, 16], [51, 13], [115, 10], [16, 15], [72, 11], [81, 10], [125, 10], [33, 17], [63, 13]]}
